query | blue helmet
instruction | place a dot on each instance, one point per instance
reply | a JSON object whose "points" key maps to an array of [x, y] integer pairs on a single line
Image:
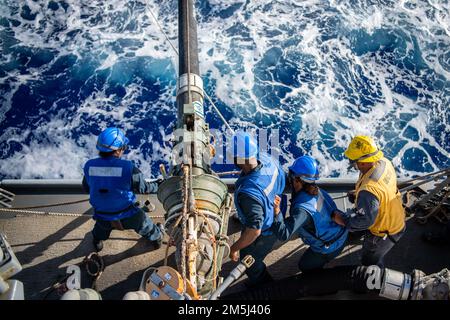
{"points": [[306, 168], [111, 139], [244, 146]]}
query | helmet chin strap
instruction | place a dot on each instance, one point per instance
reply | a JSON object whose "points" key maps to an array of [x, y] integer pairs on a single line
{"points": [[305, 186], [292, 182]]}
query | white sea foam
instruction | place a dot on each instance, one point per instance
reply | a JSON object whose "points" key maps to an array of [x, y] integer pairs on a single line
{"points": [[232, 60], [324, 104]]}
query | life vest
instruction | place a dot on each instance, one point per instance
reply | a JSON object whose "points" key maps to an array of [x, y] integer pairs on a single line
{"points": [[329, 236], [262, 185], [110, 188], [381, 181]]}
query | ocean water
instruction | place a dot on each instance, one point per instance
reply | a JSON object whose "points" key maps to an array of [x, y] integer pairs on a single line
{"points": [[317, 71]]}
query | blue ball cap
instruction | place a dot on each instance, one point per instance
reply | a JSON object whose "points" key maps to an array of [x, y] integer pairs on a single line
{"points": [[111, 139]]}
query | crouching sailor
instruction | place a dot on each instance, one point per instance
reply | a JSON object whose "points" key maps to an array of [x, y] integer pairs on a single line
{"points": [[260, 181], [112, 183], [310, 217]]}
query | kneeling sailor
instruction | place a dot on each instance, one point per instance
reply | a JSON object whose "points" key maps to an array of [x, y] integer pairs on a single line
{"points": [[310, 217], [112, 183]]}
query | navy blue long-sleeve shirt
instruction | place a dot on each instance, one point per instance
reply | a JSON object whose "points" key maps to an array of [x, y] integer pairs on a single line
{"points": [[364, 214], [253, 211], [138, 183], [298, 218]]}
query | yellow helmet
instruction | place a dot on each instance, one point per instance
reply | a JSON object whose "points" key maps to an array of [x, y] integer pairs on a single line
{"points": [[363, 149]]}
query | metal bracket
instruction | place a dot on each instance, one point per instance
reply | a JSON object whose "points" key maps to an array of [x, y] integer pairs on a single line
{"points": [[437, 197], [435, 286]]}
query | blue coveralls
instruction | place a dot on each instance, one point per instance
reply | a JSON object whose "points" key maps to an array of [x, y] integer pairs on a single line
{"points": [[112, 184], [310, 217], [254, 200]]}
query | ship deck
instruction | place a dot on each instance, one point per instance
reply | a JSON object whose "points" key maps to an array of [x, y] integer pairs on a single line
{"points": [[45, 245]]}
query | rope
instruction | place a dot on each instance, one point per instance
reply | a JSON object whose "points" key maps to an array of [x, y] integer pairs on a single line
{"points": [[171, 239], [176, 52], [219, 113], [227, 173], [226, 245], [214, 260], [44, 213], [52, 213], [59, 286], [183, 225], [160, 28]]}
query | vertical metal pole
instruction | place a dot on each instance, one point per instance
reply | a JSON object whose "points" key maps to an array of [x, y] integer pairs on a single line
{"points": [[193, 133], [187, 42], [190, 174]]}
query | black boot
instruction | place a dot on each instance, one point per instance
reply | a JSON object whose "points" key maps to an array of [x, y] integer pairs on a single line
{"points": [[156, 244], [263, 279], [98, 245], [355, 237]]}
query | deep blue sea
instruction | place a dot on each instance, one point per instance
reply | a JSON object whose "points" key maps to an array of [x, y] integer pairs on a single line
{"points": [[318, 71]]}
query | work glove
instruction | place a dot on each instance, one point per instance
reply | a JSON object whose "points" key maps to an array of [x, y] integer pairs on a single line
{"points": [[351, 195]]}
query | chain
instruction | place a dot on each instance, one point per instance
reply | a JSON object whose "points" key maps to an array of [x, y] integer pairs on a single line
{"points": [[96, 260]]}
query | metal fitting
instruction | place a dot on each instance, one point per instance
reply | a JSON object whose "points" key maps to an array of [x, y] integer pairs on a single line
{"points": [[248, 261], [435, 286], [195, 83], [396, 285]]}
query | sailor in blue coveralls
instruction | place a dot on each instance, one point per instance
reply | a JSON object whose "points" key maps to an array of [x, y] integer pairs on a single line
{"points": [[310, 217], [260, 181], [112, 183]]}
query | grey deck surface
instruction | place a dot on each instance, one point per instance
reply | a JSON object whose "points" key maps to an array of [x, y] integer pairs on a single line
{"points": [[46, 245]]}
